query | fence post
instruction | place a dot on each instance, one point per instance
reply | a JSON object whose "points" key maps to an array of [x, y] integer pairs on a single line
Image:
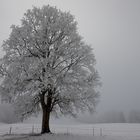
{"points": [[101, 133], [67, 131], [10, 130], [32, 129], [93, 131]]}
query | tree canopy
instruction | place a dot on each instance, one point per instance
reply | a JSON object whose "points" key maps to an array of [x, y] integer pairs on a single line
{"points": [[48, 65]]}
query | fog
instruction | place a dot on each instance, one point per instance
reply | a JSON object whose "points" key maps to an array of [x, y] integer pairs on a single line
{"points": [[112, 27]]}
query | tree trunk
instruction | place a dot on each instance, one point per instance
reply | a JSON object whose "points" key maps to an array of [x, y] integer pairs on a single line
{"points": [[46, 109], [45, 121]]}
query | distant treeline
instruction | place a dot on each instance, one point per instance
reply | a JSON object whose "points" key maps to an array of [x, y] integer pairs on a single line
{"points": [[7, 115], [132, 116]]}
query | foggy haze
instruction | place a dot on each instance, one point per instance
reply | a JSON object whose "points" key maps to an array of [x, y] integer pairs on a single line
{"points": [[112, 27]]}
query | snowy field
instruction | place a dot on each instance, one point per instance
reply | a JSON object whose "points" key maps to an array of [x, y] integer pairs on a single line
{"points": [[73, 131], [67, 137]]}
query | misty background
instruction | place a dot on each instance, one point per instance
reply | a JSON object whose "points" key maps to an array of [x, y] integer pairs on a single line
{"points": [[112, 28]]}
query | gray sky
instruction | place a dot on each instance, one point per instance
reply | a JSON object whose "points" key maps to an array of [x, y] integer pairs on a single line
{"points": [[112, 27]]}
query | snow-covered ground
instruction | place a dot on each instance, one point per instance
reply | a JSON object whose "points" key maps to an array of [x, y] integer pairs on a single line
{"points": [[71, 130], [66, 137]]}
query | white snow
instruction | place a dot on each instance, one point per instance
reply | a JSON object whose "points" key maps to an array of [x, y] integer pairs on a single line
{"points": [[66, 137], [72, 131]]}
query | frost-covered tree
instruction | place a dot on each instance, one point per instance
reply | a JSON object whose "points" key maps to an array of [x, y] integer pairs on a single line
{"points": [[47, 66]]}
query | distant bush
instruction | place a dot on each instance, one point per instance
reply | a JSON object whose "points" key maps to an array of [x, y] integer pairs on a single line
{"points": [[134, 116]]}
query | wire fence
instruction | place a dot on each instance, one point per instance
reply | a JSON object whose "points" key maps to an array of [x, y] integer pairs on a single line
{"points": [[94, 131]]}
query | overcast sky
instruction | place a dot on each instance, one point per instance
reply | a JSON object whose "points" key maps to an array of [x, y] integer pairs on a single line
{"points": [[112, 27]]}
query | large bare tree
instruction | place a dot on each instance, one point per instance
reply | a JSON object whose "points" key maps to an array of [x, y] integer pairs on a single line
{"points": [[47, 66]]}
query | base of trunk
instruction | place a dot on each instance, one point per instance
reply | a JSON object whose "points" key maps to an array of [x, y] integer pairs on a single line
{"points": [[45, 131]]}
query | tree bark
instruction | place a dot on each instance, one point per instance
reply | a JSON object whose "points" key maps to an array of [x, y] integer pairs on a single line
{"points": [[45, 121], [46, 110]]}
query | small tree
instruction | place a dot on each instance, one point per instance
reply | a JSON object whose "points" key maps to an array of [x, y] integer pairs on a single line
{"points": [[47, 66]]}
